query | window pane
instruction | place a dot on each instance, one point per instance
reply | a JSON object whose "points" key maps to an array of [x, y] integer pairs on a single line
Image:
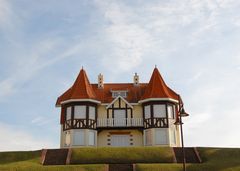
{"points": [[80, 112], [69, 112], [159, 111], [147, 111], [78, 137], [161, 136], [170, 111], [91, 138], [91, 112]]}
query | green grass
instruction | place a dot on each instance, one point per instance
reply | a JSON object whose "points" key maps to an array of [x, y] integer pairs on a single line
{"points": [[214, 159], [30, 161], [122, 155]]}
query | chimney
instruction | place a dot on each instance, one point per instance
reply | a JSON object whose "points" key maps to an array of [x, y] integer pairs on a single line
{"points": [[100, 81], [136, 79]]}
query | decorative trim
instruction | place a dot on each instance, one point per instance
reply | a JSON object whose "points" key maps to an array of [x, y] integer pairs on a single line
{"points": [[158, 99], [79, 100], [117, 99], [119, 133]]}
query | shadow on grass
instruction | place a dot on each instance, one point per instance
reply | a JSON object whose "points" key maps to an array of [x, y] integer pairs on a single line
{"points": [[10, 157]]}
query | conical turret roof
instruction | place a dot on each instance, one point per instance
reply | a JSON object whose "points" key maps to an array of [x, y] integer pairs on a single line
{"points": [[157, 88], [81, 89]]}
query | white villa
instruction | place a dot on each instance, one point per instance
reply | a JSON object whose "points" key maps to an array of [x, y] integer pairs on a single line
{"points": [[119, 114]]}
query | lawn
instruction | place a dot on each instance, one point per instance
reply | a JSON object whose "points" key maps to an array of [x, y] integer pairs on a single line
{"points": [[30, 161], [214, 159], [122, 155]]}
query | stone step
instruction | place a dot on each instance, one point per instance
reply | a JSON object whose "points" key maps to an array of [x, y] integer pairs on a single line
{"points": [[191, 155], [120, 167], [55, 157]]}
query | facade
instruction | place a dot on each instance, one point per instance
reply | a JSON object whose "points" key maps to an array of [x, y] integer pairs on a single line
{"points": [[119, 114]]}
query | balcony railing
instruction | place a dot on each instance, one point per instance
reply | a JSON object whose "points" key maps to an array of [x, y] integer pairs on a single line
{"points": [[123, 122]]}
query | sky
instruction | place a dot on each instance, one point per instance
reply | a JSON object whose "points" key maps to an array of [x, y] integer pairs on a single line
{"points": [[43, 44]]}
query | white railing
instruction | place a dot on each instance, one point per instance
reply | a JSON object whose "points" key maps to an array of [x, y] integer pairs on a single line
{"points": [[123, 122]]}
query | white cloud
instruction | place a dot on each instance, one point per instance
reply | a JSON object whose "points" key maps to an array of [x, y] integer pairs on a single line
{"points": [[128, 41], [13, 139]]}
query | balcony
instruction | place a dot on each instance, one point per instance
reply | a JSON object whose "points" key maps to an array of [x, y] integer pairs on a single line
{"points": [[116, 122]]}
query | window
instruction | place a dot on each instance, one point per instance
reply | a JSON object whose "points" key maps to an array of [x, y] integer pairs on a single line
{"points": [[69, 113], [92, 112], [91, 138], [170, 111], [119, 93], [159, 111], [147, 111], [78, 137], [148, 138], [161, 136], [80, 112]]}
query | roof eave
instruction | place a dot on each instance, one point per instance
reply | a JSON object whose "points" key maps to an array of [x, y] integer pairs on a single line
{"points": [[79, 100], [158, 99]]}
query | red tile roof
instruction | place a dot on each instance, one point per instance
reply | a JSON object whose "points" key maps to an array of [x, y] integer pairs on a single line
{"points": [[82, 89], [157, 88]]}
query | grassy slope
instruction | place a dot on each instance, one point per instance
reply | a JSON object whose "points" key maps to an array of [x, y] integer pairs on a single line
{"points": [[30, 161], [122, 155], [214, 159]]}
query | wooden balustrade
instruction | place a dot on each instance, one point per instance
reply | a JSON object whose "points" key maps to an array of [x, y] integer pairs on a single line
{"points": [[123, 122], [115, 122]]}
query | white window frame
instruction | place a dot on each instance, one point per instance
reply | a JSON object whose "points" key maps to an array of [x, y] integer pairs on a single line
{"points": [[80, 112], [147, 111], [159, 111], [119, 93]]}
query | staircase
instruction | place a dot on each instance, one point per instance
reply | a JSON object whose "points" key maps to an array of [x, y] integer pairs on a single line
{"points": [[54, 156], [120, 167], [191, 155]]}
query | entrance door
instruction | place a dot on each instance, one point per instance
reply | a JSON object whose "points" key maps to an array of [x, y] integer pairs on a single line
{"points": [[120, 140], [119, 117]]}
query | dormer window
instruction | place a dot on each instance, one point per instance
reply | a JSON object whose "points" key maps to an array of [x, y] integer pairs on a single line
{"points": [[121, 93]]}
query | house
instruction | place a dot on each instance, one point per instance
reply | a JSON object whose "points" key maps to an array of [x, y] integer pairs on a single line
{"points": [[119, 114]]}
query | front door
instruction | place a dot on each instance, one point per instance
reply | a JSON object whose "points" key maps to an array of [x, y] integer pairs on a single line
{"points": [[120, 140], [119, 117]]}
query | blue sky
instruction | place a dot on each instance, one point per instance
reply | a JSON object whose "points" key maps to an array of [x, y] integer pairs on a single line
{"points": [[43, 45]]}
